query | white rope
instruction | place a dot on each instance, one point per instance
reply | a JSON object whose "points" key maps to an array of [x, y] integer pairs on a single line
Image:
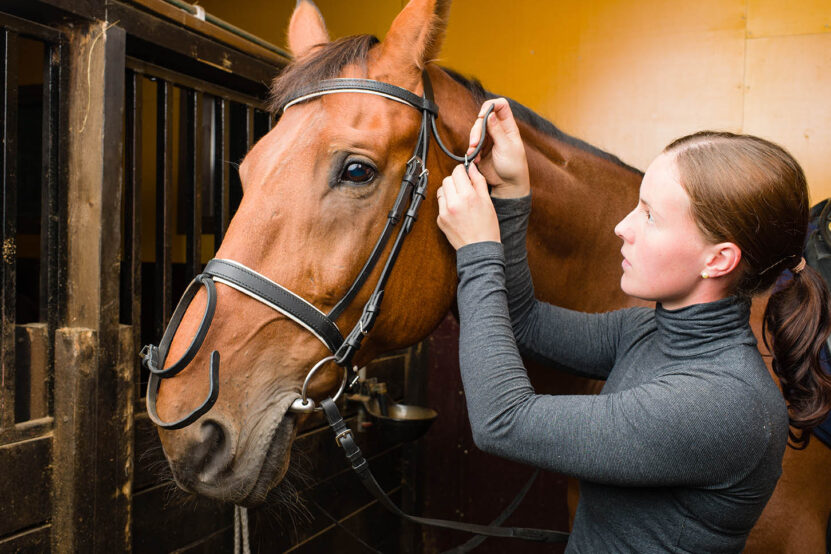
{"points": [[241, 545]]}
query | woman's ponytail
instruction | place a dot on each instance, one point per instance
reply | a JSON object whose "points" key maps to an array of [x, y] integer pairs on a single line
{"points": [[753, 193], [796, 324]]}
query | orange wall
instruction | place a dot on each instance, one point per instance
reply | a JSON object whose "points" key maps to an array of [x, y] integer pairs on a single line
{"points": [[627, 76]]}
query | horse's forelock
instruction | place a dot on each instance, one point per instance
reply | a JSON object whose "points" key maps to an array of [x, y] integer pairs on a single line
{"points": [[325, 62]]}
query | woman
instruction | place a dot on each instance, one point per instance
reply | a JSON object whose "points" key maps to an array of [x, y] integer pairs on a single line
{"points": [[682, 449]]}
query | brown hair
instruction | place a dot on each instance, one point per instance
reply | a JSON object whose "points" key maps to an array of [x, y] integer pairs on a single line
{"points": [[324, 62], [751, 192]]}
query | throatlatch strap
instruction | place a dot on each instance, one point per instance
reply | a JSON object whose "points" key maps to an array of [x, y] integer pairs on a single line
{"points": [[268, 292], [345, 439]]}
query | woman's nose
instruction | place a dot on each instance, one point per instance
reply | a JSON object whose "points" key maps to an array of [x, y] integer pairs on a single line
{"points": [[623, 229]]}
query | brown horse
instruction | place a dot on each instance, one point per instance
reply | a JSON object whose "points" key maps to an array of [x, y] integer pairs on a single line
{"points": [[303, 226]]}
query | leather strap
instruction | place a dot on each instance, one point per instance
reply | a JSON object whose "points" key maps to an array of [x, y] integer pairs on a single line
{"points": [[408, 182], [346, 440], [268, 292], [154, 357], [369, 86]]}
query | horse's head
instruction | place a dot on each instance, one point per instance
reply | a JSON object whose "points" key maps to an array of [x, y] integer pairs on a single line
{"points": [[317, 191]]}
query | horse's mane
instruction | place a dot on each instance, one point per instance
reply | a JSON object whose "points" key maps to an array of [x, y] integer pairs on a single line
{"points": [[329, 60], [535, 120]]}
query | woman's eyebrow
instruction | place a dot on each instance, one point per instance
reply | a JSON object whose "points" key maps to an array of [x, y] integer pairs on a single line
{"points": [[647, 205]]}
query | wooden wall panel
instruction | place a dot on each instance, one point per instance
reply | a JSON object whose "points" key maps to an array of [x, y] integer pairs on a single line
{"points": [[788, 100], [626, 77], [774, 17], [24, 486]]}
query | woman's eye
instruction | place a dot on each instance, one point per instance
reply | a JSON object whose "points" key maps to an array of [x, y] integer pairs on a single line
{"points": [[357, 172]]}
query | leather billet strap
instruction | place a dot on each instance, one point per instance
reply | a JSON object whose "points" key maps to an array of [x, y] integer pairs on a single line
{"points": [[346, 440], [263, 289]]}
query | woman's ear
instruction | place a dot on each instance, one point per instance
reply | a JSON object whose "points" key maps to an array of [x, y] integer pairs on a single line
{"points": [[306, 29], [723, 259]]}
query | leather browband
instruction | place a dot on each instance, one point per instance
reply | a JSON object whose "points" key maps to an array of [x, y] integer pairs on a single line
{"points": [[392, 92]]}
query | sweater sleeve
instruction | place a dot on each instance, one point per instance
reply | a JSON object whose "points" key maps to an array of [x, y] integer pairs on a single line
{"points": [[669, 431], [581, 343]]}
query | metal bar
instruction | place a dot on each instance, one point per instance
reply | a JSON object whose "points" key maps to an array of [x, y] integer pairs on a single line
{"points": [[155, 71], [222, 168], [132, 197], [62, 209], [51, 241], [193, 192], [250, 129], [8, 75], [206, 136], [164, 206]]}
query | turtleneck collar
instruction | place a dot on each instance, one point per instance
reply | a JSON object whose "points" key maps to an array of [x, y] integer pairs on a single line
{"points": [[702, 328]]}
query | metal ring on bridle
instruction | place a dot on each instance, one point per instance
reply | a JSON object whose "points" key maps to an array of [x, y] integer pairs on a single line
{"points": [[306, 405]]}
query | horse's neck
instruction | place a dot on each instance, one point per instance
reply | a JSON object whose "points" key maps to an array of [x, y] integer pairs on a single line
{"points": [[578, 197]]}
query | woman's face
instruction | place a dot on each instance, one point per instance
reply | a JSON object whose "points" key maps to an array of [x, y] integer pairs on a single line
{"points": [[663, 250]]}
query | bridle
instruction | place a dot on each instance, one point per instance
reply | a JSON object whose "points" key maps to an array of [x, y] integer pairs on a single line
{"points": [[410, 196], [233, 274]]}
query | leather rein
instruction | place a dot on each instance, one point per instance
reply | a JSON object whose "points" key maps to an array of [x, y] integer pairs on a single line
{"points": [[410, 196]]}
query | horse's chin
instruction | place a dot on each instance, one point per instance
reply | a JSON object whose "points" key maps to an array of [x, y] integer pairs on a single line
{"points": [[261, 461], [275, 463]]}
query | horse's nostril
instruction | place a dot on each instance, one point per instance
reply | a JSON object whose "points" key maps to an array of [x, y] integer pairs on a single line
{"points": [[215, 449]]}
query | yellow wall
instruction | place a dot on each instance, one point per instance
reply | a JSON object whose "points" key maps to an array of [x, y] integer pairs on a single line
{"points": [[627, 75]]}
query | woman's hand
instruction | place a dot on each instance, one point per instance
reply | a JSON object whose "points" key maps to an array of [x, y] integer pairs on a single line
{"points": [[466, 213], [504, 165]]}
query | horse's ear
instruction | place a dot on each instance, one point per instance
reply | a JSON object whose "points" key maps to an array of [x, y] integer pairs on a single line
{"points": [[414, 39], [306, 28]]}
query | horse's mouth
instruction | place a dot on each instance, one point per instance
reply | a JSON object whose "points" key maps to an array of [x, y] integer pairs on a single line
{"points": [[260, 462], [275, 463]]}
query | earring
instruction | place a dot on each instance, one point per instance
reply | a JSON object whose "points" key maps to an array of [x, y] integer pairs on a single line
{"points": [[705, 275]]}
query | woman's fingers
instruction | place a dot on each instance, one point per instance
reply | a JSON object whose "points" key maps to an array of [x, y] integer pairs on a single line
{"points": [[465, 214], [462, 181], [448, 188], [475, 133], [442, 200], [480, 185], [476, 129], [504, 117]]}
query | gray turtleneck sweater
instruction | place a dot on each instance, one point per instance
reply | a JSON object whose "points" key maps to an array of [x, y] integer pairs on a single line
{"points": [[683, 447]]}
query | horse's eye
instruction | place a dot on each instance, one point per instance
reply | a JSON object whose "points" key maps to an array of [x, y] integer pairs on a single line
{"points": [[357, 172]]}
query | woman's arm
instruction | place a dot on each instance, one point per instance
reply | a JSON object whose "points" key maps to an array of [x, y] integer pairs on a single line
{"points": [[467, 216], [583, 343], [689, 428]]}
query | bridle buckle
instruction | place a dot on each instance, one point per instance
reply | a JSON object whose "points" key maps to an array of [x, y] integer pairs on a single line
{"points": [[342, 435]]}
